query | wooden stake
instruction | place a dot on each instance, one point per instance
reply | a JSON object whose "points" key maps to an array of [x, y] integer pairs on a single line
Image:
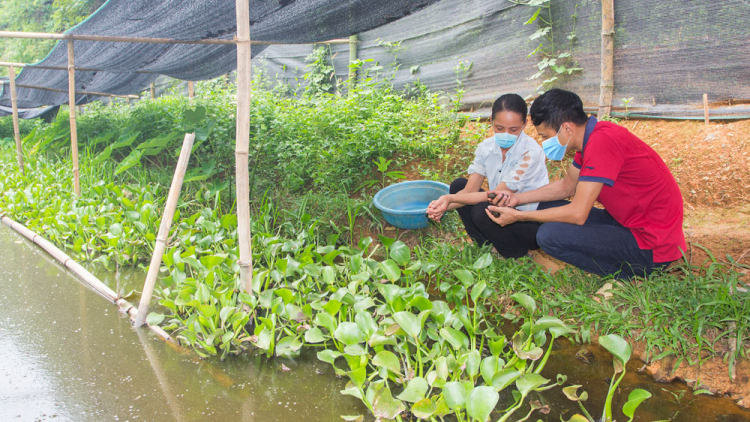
{"points": [[16, 126], [166, 223], [352, 57], [152, 88], [72, 107], [242, 144], [608, 42], [705, 108], [191, 90]]}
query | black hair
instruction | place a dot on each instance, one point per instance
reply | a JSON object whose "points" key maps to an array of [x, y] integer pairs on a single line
{"points": [[557, 106], [510, 102]]}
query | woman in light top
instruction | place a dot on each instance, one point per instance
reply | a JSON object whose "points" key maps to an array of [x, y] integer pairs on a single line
{"points": [[509, 160]]}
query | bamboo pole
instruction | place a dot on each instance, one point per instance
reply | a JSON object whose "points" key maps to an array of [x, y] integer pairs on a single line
{"points": [[608, 43], [16, 125], [65, 68], [191, 90], [152, 89], [352, 57], [146, 40], [90, 93], [72, 107], [705, 108], [243, 144], [166, 223]]}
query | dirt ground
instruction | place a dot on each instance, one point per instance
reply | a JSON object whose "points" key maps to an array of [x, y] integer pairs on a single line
{"points": [[711, 164]]}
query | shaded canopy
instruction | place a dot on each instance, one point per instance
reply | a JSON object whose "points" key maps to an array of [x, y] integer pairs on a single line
{"points": [[128, 68]]}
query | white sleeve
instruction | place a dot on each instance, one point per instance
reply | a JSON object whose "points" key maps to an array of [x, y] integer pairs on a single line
{"points": [[478, 165]]}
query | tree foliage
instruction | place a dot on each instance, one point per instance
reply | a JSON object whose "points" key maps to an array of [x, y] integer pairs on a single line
{"points": [[38, 16]]}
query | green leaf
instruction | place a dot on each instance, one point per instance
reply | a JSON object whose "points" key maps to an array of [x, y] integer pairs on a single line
{"points": [[533, 17], [465, 277], [348, 333], [314, 335], [328, 356], [480, 402], [332, 307], [617, 346], [504, 378], [326, 321], [195, 116], [408, 322], [154, 318], [116, 229], [547, 322], [472, 363], [288, 347], [414, 391], [454, 394], [635, 398], [484, 261], [385, 406], [391, 270], [387, 360], [525, 300], [358, 376], [529, 382], [421, 303], [132, 160], [488, 368], [400, 253], [456, 338], [423, 409], [477, 290]]}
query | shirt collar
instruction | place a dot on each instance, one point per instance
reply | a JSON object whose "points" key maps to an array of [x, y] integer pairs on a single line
{"points": [[590, 125]]}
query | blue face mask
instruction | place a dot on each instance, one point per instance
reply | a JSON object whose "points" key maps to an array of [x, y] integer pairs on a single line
{"points": [[553, 149], [506, 140]]}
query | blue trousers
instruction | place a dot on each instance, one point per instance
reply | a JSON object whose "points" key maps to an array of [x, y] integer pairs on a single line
{"points": [[600, 246]]}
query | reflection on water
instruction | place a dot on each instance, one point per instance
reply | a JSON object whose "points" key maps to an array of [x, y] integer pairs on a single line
{"points": [[66, 354]]}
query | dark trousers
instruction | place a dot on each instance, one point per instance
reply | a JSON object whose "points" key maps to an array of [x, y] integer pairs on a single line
{"points": [[600, 246], [512, 241]]}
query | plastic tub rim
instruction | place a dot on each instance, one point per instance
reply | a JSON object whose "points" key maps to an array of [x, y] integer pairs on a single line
{"points": [[382, 192]]}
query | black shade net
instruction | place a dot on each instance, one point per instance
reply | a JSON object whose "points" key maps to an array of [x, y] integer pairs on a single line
{"points": [[128, 68], [668, 53]]}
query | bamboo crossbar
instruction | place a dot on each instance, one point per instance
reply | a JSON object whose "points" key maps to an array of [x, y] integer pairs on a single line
{"points": [[96, 94], [65, 68], [144, 40]]}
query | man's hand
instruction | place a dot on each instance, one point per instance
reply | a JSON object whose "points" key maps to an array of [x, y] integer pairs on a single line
{"points": [[505, 198], [507, 215], [437, 208]]}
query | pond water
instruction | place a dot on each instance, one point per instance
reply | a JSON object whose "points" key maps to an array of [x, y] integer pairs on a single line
{"points": [[66, 354]]}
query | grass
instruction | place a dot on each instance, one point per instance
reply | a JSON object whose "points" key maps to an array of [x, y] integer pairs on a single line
{"points": [[310, 151]]}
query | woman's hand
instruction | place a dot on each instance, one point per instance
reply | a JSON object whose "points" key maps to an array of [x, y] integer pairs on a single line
{"points": [[504, 198], [506, 215], [437, 208]]}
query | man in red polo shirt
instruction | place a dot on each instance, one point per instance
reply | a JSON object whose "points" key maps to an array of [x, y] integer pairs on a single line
{"points": [[640, 228]]}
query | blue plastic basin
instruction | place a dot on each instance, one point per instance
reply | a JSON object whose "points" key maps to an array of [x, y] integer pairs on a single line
{"points": [[404, 204]]}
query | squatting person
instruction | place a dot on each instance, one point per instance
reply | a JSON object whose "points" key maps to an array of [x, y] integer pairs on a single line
{"points": [[511, 161], [640, 228]]}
